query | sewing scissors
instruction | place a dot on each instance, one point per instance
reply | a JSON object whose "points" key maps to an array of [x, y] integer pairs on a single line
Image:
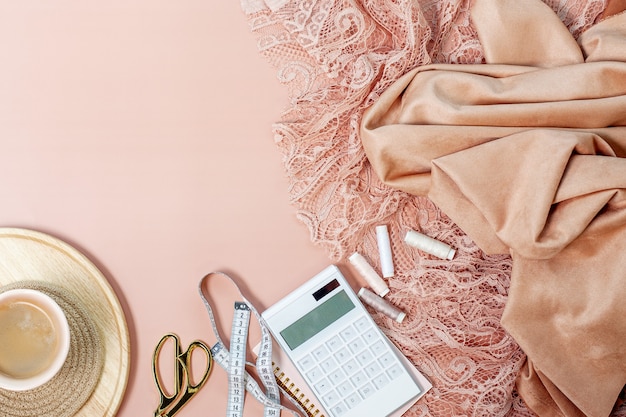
{"points": [[184, 388]]}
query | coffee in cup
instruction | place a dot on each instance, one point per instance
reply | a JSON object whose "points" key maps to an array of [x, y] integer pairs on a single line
{"points": [[34, 339]]}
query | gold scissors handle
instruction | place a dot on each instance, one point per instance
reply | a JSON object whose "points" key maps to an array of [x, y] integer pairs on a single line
{"points": [[184, 389]]}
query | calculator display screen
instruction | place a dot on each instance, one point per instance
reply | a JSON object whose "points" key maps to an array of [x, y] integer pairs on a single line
{"points": [[317, 319]]}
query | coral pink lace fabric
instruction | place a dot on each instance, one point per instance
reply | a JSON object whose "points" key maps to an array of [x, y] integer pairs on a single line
{"points": [[335, 58]]}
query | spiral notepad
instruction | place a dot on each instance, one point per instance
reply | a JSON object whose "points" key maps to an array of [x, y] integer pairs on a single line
{"points": [[295, 392], [289, 380]]}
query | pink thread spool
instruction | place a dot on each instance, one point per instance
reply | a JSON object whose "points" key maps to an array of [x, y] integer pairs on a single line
{"points": [[369, 274]]}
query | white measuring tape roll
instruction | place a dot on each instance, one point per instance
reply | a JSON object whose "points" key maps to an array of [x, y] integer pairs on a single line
{"points": [[234, 362]]}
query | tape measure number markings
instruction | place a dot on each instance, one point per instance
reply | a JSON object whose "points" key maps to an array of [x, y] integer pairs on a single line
{"points": [[234, 362], [238, 339]]}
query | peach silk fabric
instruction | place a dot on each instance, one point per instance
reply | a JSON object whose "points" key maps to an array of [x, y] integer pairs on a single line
{"points": [[526, 154]]}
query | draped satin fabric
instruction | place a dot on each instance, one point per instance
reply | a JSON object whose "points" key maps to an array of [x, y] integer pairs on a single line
{"points": [[527, 154]]}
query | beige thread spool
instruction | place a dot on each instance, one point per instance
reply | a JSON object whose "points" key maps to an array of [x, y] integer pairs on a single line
{"points": [[369, 274], [381, 305], [429, 245]]}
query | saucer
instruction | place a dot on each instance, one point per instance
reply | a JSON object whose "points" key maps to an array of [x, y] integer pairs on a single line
{"points": [[27, 255]]}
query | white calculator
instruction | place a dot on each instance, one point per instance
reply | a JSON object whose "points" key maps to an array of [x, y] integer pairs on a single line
{"points": [[343, 356]]}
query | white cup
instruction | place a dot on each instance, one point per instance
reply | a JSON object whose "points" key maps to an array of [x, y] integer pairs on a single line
{"points": [[34, 339]]}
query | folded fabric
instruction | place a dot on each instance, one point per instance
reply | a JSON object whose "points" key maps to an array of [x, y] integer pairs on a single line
{"points": [[527, 154]]}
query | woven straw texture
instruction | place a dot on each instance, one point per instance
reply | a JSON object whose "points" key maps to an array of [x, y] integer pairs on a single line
{"points": [[68, 391]]}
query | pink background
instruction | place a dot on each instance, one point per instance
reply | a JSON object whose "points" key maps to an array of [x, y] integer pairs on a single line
{"points": [[140, 133]]}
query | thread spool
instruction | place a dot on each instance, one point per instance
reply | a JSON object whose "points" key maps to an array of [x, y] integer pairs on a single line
{"points": [[369, 274], [384, 249], [381, 305], [429, 245]]}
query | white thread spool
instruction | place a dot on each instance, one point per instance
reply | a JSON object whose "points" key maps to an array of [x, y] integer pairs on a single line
{"points": [[384, 249], [429, 245], [381, 305], [369, 274]]}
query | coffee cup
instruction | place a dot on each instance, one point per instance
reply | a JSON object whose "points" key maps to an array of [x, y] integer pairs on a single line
{"points": [[34, 339]]}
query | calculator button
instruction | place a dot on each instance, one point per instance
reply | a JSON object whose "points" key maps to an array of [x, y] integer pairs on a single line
{"points": [[366, 390], [323, 386], [358, 379], [353, 400], [380, 381], [345, 388], [320, 352], [373, 369], [331, 398], [379, 348], [350, 367], [356, 345], [334, 343], [339, 409], [328, 365], [387, 360], [364, 357], [307, 362], [342, 355], [336, 376], [395, 371], [362, 324], [315, 374], [348, 333], [370, 335]]}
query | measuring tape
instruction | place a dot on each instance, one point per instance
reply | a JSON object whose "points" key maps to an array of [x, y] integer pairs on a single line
{"points": [[234, 362], [237, 366]]}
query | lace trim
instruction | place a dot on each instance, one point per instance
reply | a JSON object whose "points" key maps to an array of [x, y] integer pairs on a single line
{"points": [[335, 58]]}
